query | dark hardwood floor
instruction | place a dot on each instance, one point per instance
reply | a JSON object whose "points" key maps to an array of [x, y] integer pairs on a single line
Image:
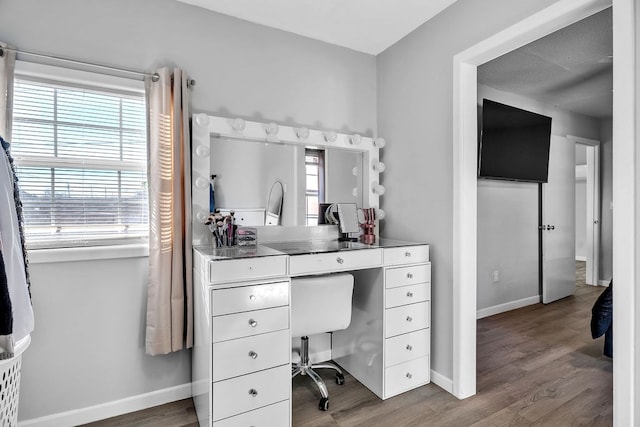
{"points": [[537, 366]]}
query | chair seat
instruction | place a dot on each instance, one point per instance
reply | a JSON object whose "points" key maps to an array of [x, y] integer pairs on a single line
{"points": [[320, 303]]}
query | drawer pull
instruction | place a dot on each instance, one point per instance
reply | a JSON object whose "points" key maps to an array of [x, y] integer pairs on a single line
{"points": [[409, 318], [407, 254], [409, 347], [409, 375], [253, 392], [253, 355], [410, 294], [340, 260], [409, 275], [253, 323], [252, 297]]}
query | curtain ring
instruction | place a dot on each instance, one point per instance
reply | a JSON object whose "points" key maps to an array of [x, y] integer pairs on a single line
{"points": [[155, 77]]}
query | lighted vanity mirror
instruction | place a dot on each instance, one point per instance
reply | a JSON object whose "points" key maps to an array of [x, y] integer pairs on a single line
{"points": [[248, 157], [249, 172]]}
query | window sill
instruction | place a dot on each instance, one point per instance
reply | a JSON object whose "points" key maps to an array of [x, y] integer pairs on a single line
{"points": [[43, 256]]}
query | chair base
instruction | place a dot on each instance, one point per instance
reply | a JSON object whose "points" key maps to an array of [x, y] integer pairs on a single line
{"points": [[304, 367]]}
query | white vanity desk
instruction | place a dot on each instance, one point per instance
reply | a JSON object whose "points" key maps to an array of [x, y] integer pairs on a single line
{"points": [[242, 351]]}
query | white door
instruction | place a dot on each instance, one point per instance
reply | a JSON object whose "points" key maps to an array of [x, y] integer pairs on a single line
{"points": [[558, 226], [593, 215]]}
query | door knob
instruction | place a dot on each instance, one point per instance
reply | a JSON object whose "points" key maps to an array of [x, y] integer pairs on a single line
{"points": [[551, 227]]}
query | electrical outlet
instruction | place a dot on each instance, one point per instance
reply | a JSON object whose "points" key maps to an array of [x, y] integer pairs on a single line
{"points": [[496, 276]]}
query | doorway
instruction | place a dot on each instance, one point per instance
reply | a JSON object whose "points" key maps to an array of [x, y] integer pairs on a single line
{"points": [[625, 218]]}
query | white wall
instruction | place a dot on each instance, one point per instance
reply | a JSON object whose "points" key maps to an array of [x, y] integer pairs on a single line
{"points": [[508, 215], [87, 347], [415, 103]]}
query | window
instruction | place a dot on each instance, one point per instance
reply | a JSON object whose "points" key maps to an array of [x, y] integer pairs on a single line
{"points": [[314, 195], [80, 150]]}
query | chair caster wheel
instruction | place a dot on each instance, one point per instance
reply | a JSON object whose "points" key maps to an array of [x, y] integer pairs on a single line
{"points": [[339, 379], [324, 404]]}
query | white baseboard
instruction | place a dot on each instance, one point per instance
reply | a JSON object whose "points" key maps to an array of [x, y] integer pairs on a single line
{"points": [[581, 258], [111, 409], [441, 381], [604, 282], [511, 305]]}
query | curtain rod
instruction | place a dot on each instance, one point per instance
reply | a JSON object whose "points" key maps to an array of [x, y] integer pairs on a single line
{"points": [[154, 76]]}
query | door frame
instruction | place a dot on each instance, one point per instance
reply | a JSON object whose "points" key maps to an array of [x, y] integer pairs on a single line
{"points": [[626, 218], [593, 207]]}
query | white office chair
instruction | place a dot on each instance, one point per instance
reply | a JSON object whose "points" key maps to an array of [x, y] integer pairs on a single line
{"points": [[319, 304]]}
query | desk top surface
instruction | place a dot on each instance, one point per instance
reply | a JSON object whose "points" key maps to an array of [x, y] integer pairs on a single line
{"points": [[295, 248]]}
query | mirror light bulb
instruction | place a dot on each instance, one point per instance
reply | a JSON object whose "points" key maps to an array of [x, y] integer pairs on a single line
{"points": [[355, 139], [238, 125], [203, 151], [379, 142], [202, 119], [201, 216], [201, 183], [355, 191], [330, 136], [272, 129], [379, 167], [380, 214], [378, 189], [354, 171], [302, 133]]}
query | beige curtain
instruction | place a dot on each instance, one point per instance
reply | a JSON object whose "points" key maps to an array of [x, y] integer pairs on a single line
{"points": [[169, 292], [7, 65]]}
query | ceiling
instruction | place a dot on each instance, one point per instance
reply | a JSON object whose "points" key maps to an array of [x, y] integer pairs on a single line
{"points": [[363, 25], [571, 68]]}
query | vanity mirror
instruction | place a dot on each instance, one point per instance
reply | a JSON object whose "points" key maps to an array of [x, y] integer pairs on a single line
{"points": [[253, 161]]}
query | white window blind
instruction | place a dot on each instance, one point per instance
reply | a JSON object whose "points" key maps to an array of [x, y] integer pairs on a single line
{"points": [[81, 160]]}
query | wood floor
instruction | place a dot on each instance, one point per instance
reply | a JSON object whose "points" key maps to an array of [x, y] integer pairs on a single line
{"points": [[536, 366]]}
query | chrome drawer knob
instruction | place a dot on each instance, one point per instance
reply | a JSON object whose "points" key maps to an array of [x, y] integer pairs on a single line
{"points": [[409, 375], [253, 392], [409, 318], [410, 294], [253, 355], [252, 297], [253, 323], [409, 275], [340, 260], [409, 347], [407, 254]]}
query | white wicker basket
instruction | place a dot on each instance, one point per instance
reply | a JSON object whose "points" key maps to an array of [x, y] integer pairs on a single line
{"points": [[10, 385]]}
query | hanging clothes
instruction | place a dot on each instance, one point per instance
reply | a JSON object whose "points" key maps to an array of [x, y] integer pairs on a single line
{"points": [[17, 316]]}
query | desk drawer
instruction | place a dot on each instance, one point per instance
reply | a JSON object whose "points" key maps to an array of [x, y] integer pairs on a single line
{"points": [[272, 415], [406, 376], [300, 265], [246, 298], [404, 295], [249, 392], [402, 276], [407, 318], [406, 255], [406, 347], [250, 323], [234, 270], [245, 355]]}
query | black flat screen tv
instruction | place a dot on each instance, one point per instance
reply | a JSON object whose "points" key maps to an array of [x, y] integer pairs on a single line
{"points": [[514, 144]]}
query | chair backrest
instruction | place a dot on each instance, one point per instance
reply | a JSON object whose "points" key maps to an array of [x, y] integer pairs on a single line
{"points": [[320, 303]]}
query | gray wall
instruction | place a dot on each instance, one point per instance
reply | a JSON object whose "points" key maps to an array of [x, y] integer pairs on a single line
{"points": [[508, 214], [415, 115], [88, 344]]}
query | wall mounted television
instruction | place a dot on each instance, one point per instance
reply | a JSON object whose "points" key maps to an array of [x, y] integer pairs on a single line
{"points": [[514, 144]]}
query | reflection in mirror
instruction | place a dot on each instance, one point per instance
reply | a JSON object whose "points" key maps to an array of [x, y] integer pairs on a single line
{"points": [[274, 204], [247, 169]]}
